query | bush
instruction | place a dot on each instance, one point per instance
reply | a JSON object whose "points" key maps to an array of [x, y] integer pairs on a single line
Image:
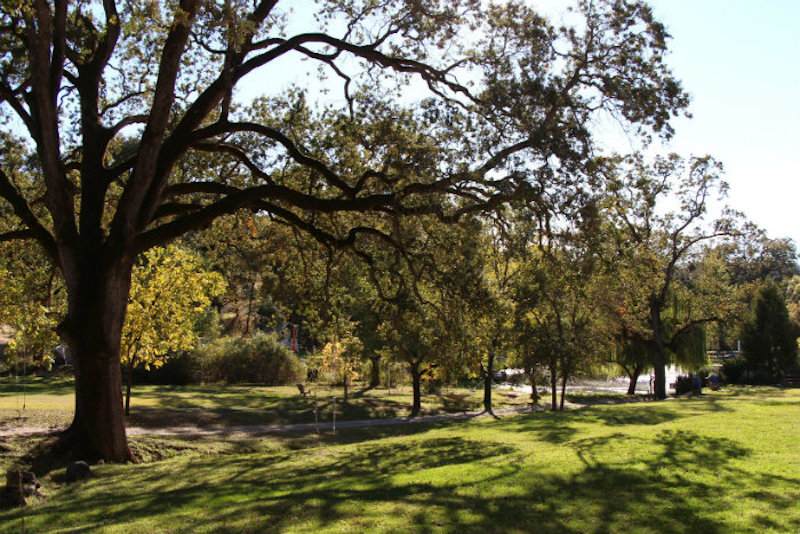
{"points": [[259, 359], [740, 371], [179, 370], [433, 386], [734, 370], [519, 379], [686, 384], [683, 384]]}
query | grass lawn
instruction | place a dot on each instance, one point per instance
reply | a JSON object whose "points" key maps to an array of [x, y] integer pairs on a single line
{"points": [[49, 402], [727, 462]]}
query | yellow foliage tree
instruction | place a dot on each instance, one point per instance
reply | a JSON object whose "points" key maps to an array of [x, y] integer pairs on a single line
{"points": [[170, 290], [31, 304], [341, 358]]}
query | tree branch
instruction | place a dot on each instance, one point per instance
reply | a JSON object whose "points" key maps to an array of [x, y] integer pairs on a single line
{"points": [[17, 235], [23, 211]]}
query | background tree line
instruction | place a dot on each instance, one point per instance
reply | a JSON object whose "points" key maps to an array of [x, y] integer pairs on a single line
{"points": [[615, 284]]}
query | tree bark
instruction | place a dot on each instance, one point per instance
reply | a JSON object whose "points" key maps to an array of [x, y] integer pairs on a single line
{"points": [[563, 390], [416, 382], [659, 354], [250, 298], [660, 372], [487, 384], [128, 386], [633, 376], [92, 329], [375, 372], [553, 385], [534, 390]]}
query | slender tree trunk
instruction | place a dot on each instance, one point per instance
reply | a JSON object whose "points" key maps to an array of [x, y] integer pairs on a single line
{"points": [[416, 383], [128, 386], [633, 376], [660, 353], [487, 384], [660, 372], [250, 298], [563, 389], [375, 372], [553, 385], [98, 296], [534, 390], [346, 386]]}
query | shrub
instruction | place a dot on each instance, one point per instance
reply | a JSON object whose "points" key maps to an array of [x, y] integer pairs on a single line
{"points": [[519, 379], [179, 369], [433, 386], [259, 359], [684, 384], [741, 371]]}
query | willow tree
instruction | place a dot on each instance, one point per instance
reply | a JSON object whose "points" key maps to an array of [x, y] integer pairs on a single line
{"points": [[113, 104]]}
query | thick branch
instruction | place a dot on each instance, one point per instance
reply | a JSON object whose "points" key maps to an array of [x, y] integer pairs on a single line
{"points": [[124, 225], [16, 235], [23, 211]]}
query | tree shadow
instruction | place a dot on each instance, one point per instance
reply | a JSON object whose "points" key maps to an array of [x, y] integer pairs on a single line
{"points": [[428, 478], [560, 427], [36, 385], [267, 411], [453, 402], [593, 399]]}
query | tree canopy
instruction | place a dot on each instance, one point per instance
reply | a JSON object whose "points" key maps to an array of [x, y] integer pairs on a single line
{"points": [[122, 130]]}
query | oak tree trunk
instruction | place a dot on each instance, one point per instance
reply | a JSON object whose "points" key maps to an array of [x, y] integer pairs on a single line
{"points": [[375, 372], [563, 390], [553, 385], [98, 297]]}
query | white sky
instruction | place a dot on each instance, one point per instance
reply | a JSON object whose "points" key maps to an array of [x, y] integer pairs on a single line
{"points": [[740, 60]]}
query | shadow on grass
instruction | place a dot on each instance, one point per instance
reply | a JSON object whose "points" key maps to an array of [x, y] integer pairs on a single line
{"points": [[593, 399], [247, 409], [216, 406], [447, 483], [453, 402], [36, 385], [560, 427]]}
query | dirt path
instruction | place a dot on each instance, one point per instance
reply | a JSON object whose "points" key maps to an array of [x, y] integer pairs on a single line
{"points": [[247, 431]]}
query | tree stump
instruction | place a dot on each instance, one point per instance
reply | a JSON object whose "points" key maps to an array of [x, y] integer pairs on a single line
{"points": [[78, 471], [20, 486]]}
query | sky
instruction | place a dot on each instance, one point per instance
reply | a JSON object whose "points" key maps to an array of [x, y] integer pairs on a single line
{"points": [[740, 61]]}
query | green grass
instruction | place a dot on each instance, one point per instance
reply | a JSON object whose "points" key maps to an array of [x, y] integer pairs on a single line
{"points": [[727, 462], [49, 402]]}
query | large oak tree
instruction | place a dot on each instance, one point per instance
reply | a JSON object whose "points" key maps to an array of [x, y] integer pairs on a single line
{"points": [[122, 130]]}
